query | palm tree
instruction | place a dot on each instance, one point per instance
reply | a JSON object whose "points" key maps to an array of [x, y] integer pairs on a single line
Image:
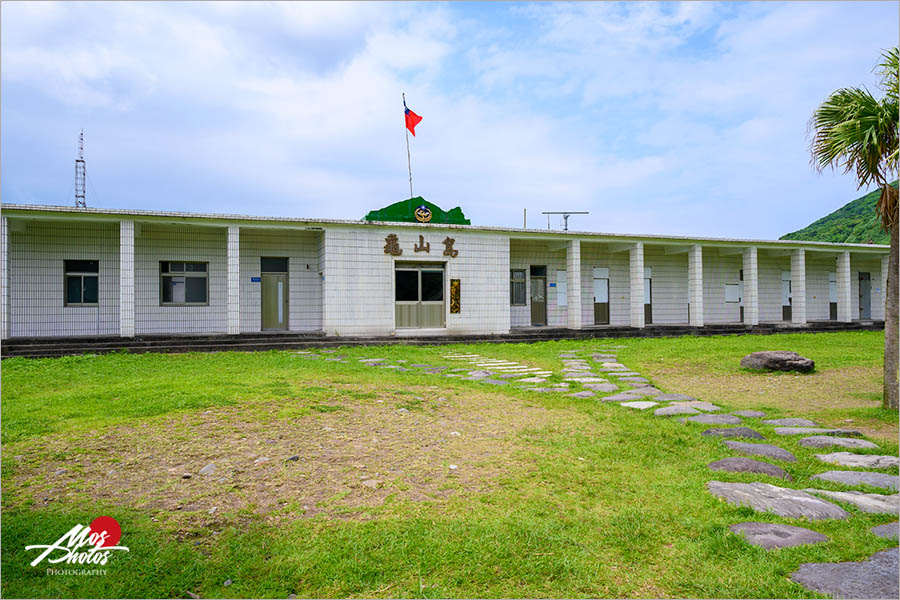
{"points": [[854, 131]]}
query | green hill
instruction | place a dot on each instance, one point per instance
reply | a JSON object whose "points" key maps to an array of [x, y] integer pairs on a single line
{"points": [[854, 223]]}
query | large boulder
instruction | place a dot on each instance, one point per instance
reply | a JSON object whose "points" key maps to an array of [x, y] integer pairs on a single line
{"points": [[777, 360]]}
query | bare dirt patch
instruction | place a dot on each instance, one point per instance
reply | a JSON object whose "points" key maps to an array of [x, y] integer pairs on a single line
{"points": [[351, 455], [813, 395]]}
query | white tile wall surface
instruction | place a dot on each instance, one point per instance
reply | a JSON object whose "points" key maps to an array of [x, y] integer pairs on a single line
{"points": [[37, 250], [598, 255], [522, 255], [302, 249]]}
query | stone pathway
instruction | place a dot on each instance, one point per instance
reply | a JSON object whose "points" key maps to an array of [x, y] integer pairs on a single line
{"points": [[602, 378]]}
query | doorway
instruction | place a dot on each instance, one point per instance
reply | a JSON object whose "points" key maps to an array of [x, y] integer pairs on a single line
{"points": [[865, 296], [274, 293], [419, 296], [832, 296], [601, 295], [538, 295], [786, 297], [648, 296]]}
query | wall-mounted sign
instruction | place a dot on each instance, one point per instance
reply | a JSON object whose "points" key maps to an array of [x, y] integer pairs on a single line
{"points": [[448, 248], [255, 279], [422, 246], [454, 296], [392, 245], [423, 213]]}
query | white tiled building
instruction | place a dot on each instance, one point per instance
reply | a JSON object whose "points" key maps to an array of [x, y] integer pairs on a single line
{"points": [[91, 272]]}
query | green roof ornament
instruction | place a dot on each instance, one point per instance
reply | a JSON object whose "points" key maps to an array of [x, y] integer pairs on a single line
{"points": [[418, 210]]}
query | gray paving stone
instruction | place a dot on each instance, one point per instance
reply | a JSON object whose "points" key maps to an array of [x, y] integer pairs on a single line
{"points": [[879, 480], [601, 387], [675, 398], [866, 461], [739, 464], [750, 414], [623, 373], [824, 441], [640, 405], [493, 381], [698, 404], [586, 379], [888, 504], [733, 432], [767, 450], [781, 501], [888, 530], [622, 397], [583, 394], [634, 379], [819, 430], [716, 419], [773, 535], [791, 422], [480, 373], [668, 411], [645, 391], [876, 577], [532, 380]]}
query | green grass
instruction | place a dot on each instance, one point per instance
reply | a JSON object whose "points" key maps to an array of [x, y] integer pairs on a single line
{"points": [[599, 501]]}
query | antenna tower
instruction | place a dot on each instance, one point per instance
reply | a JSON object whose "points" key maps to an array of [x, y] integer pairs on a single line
{"points": [[80, 174]]}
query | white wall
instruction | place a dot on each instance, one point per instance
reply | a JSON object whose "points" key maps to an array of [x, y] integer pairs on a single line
{"points": [[872, 266], [304, 285], [598, 255], [359, 278], [36, 278], [670, 285], [770, 268], [522, 255], [164, 242], [817, 291], [719, 270]]}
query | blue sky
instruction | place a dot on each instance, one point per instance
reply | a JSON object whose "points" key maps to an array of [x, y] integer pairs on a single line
{"points": [[672, 118]]}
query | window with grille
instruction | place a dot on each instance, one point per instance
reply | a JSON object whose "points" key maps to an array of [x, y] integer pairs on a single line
{"points": [[183, 283], [82, 282], [517, 287]]}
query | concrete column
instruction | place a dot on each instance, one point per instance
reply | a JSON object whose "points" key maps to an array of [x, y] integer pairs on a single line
{"points": [[636, 278], [884, 273], [695, 284], [573, 289], [798, 286], [233, 283], [126, 278], [844, 312], [4, 279], [751, 286]]}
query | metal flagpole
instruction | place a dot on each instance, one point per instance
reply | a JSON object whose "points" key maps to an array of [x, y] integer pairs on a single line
{"points": [[408, 159]]}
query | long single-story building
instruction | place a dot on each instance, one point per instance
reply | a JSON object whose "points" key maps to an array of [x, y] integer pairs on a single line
{"points": [[74, 272]]}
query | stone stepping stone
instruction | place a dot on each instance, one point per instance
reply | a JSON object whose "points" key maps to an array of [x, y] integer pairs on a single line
{"points": [[586, 379], [876, 577], [492, 381], [640, 405], [601, 387], [675, 398], [866, 461], [698, 404], [583, 394], [824, 441], [542, 389], [750, 414], [882, 504], [668, 411], [371, 360], [614, 365], [512, 375], [480, 373], [888, 530], [739, 464], [792, 422], [532, 380], [639, 384], [622, 397], [773, 535], [767, 450], [879, 480], [634, 379], [783, 502], [819, 430], [645, 391], [733, 432], [716, 419]]}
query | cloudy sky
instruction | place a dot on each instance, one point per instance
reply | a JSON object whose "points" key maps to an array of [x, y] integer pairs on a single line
{"points": [[672, 118]]}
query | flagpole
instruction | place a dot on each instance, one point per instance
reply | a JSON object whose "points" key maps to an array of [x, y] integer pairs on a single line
{"points": [[408, 158]]}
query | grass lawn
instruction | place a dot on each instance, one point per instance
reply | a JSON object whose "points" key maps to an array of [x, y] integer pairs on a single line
{"points": [[408, 484]]}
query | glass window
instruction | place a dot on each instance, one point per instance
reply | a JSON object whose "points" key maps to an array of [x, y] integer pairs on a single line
{"points": [[517, 287], [432, 286], [273, 265], [407, 286], [81, 282], [537, 271], [183, 282]]}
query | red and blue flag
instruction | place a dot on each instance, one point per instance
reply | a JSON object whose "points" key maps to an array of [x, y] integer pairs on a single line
{"points": [[412, 119]]}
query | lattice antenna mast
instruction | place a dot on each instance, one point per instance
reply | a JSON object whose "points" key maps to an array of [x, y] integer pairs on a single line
{"points": [[80, 175]]}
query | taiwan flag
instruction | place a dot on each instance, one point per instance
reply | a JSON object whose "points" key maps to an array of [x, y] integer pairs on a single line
{"points": [[412, 119]]}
